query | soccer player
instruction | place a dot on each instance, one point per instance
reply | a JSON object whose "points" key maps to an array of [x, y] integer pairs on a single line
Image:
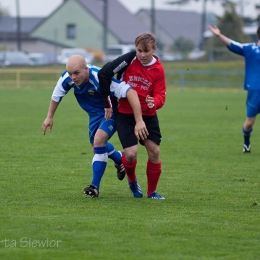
{"points": [[84, 80], [251, 53], [145, 74]]}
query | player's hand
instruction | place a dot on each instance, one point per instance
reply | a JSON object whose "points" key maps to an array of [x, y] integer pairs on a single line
{"points": [[48, 122], [214, 29], [108, 113], [141, 131], [149, 101]]}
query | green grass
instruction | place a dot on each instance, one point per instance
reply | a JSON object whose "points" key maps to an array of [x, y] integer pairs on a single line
{"points": [[211, 209]]}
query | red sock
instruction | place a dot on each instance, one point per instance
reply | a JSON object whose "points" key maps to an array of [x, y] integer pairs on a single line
{"points": [[129, 168], [153, 172]]}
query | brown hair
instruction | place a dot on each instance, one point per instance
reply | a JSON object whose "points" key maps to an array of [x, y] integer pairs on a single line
{"points": [[144, 39]]}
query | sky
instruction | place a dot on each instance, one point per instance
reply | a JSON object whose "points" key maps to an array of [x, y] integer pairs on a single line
{"points": [[43, 8]]}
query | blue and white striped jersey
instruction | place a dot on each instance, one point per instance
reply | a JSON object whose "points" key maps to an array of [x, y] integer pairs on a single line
{"points": [[251, 53], [88, 94]]}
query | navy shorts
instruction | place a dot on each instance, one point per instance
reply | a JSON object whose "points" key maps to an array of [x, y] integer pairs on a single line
{"points": [[99, 122], [252, 103], [125, 124]]}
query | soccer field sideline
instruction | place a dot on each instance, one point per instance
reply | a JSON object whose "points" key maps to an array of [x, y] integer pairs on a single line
{"points": [[228, 74], [211, 188]]}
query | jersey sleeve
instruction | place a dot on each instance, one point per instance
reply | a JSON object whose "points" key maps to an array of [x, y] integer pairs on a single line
{"points": [[237, 47], [159, 93], [119, 88], [105, 74], [62, 87]]}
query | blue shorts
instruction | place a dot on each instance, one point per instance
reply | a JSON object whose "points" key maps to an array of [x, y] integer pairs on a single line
{"points": [[99, 122], [252, 103]]}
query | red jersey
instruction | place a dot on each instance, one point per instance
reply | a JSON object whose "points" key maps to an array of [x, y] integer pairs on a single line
{"points": [[145, 80]]}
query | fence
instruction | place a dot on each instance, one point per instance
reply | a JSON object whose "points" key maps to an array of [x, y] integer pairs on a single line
{"points": [[204, 78], [44, 77], [29, 77]]}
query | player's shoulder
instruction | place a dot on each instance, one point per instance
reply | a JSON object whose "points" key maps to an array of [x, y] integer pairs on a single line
{"points": [[158, 64], [250, 45], [93, 71], [65, 77], [92, 67], [251, 48]]}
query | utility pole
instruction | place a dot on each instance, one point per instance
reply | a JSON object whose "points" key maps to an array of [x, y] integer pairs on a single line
{"points": [[203, 23], [203, 17], [242, 8], [153, 16], [105, 15], [18, 26]]}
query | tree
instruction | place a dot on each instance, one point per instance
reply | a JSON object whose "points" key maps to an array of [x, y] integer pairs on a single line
{"points": [[230, 25], [257, 6], [182, 45], [3, 11], [204, 13]]}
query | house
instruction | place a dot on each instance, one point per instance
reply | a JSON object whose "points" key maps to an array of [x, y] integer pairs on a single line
{"points": [[75, 23], [171, 25], [8, 35], [81, 24]]}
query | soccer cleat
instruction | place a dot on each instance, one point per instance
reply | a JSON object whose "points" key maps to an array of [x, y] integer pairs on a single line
{"points": [[247, 149], [91, 191], [120, 169], [155, 196], [135, 189]]}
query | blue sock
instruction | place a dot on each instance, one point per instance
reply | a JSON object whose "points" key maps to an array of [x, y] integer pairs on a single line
{"points": [[247, 135], [113, 154], [99, 164]]}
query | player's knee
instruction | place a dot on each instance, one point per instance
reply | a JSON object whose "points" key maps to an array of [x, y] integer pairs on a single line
{"points": [[99, 141], [249, 124], [130, 156], [154, 155]]}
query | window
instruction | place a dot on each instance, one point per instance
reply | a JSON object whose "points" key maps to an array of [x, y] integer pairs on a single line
{"points": [[71, 31]]}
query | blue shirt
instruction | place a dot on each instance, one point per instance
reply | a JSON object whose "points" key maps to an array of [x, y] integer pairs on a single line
{"points": [[87, 94], [251, 53]]}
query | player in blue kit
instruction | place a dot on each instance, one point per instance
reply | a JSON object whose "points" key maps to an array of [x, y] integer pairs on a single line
{"points": [[251, 54], [84, 80]]}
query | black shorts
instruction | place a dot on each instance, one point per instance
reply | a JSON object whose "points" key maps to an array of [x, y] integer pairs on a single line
{"points": [[125, 124]]}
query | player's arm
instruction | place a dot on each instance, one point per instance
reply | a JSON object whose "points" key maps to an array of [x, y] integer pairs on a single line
{"points": [[233, 46], [48, 122], [122, 90], [215, 30], [59, 92], [109, 70], [157, 100], [141, 131]]}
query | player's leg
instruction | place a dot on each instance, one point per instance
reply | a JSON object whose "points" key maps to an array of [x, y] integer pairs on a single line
{"points": [[153, 169], [99, 163], [125, 129], [154, 164], [99, 134], [108, 126], [129, 160], [252, 109], [247, 130], [116, 156]]}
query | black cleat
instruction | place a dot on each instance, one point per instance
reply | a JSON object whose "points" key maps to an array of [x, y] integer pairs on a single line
{"points": [[120, 169], [91, 191], [247, 149]]}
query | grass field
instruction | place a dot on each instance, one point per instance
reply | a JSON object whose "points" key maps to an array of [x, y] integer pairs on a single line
{"points": [[211, 188]]}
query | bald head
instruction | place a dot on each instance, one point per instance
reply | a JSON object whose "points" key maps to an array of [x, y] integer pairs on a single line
{"points": [[77, 69], [76, 62]]}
